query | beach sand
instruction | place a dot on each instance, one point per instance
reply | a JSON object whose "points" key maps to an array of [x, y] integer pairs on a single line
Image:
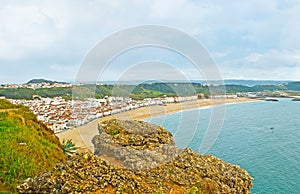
{"points": [[83, 135]]}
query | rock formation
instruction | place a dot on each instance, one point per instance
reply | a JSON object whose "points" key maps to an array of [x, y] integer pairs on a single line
{"points": [[135, 145], [138, 157]]}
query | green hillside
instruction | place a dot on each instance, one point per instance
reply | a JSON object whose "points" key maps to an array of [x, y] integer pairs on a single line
{"points": [[27, 146], [144, 90]]}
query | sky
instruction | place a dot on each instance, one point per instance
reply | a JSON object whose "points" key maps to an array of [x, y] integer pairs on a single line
{"points": [[246, 39]]}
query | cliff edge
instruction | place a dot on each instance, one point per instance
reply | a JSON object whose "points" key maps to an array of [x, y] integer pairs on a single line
{"points": [[27, 146], [139, 157]]}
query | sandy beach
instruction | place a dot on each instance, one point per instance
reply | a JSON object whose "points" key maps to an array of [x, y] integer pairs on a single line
{"points": [[83, 135]]}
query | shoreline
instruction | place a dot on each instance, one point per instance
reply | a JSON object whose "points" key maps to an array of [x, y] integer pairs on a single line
{"points": [[83, 135]]}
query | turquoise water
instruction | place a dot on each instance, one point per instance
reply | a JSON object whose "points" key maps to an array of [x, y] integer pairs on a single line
{"points": [[262, 137]]}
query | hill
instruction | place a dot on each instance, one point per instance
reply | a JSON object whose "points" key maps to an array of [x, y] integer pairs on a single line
{"points": [[36, 81], [28, 147], [147, 90]]}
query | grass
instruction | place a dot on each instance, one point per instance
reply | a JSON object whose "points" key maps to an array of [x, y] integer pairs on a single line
{"points": [[5, 104], [114, 132], [114, 128], [171, 171], [28, 147]]}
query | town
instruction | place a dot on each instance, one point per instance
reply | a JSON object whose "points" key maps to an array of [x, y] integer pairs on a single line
{"points": [[60, 114], [36, 85]]}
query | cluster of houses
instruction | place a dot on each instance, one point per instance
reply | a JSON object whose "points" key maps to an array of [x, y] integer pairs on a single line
{"points": [[36, 85], [60, 114]]}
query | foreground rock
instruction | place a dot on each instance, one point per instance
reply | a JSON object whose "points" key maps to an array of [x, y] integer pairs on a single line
{"points": [[135, 145], [185, 171]]}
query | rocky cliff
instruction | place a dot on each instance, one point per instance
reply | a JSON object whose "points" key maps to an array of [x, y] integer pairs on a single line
{"points": [[138, 157]]}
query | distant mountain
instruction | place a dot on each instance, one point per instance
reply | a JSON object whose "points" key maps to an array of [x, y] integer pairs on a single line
{"points": [[36, 81], [249, 83], [241, 82], [293, 86], [254, 82]]}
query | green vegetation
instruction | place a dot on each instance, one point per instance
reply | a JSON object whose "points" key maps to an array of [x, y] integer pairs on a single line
{"points": [[142, 91], [27, 93], [114, 128], [5, 104], [54, 92], [114, 132], [171, 171], [158, 192], [34, 81], [195, 189], [19, 93], [28, 147], [69, 147]]}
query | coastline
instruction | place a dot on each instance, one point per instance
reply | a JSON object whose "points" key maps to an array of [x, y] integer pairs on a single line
{"points": [[83, 135]]}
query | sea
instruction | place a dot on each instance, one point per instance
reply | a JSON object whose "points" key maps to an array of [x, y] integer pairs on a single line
{"points": [[262, 137]]}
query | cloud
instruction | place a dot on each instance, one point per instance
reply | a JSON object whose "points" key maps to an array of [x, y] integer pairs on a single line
{"points": [[241, 35], [290, 32], [219, 54], [273, 64], [63, 68], [56, 71], [253, 57], [152, 70], [24, 30]]}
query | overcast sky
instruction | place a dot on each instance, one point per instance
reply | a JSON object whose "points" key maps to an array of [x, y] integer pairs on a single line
{"points": [[248, 40]]}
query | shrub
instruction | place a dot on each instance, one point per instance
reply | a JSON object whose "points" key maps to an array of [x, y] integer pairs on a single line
{"points": [[114, 132], [69, 147]]}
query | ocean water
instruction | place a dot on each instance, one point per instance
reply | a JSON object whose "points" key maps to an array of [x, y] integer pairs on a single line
{"points": [[261, 137]]}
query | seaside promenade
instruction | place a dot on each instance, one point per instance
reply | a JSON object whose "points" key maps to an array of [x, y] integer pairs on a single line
{"points": [[83, 135]]}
